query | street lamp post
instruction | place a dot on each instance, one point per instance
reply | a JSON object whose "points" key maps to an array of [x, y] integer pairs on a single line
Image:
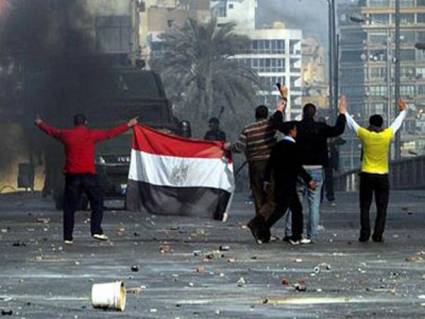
{"points": [[397, 143]]}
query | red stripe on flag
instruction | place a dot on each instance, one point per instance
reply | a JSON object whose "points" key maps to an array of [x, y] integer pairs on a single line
{"points": [[148, 140]]}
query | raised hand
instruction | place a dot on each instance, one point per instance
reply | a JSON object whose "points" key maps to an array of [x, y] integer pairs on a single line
{"points": [[343, 105], [38, 120], [281, 105], [402, 105]]}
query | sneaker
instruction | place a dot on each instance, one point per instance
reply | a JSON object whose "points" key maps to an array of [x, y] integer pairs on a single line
{"points": [[100, 237], [260, 232], [320, 227], [305, 241], [377, 239], [68, 242], [294, 242], [287, 238], [363, 239]]}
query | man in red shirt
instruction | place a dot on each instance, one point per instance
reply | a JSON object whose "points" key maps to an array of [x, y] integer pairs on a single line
{"points": [[80, 170]]}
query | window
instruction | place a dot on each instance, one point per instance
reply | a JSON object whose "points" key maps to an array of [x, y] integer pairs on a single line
{"points": [[378, 90], [407, 18], [421, 17], [421, 89], [378, 73], [407, 90], [420, 73]]}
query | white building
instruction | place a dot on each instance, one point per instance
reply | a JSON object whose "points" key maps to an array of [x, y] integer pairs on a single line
{"points": [[241, 12], [274, 53]]}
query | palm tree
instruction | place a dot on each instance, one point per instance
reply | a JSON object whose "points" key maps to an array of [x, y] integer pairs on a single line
{"points": [[200, 72]]}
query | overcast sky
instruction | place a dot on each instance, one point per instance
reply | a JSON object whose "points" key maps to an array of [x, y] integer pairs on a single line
{"points": [[309, 15]]}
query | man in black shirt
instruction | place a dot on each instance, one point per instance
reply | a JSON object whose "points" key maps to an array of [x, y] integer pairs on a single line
{"points": [[214, 134], [285, 166], [312, 142]]}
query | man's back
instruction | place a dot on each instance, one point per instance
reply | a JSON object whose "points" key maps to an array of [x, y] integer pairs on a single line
{"points": [[285, 164], [257, 140], [80, 145], [376, 148]]}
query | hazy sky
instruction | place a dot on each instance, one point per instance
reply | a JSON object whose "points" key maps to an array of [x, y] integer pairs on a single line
{"points": [[309, 15]]}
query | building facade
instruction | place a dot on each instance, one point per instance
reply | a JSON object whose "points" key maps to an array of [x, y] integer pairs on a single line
{"points": [[274, 52], [367, 66]]}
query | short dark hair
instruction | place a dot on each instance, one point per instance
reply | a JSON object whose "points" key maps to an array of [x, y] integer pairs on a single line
{"points": [[214, 120], [261, 112], [79, 119], [376, 120], [309, 111], [289, 126]]}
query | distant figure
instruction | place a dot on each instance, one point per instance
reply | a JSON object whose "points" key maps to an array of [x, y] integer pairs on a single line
{"points": [[333, 150], [80, 170], [185, 129], [214, 133], [376, 142]]}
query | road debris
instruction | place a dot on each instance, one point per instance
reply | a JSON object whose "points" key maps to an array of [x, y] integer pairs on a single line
{"points": [[241, 282], [19, 243], [300, 286]]}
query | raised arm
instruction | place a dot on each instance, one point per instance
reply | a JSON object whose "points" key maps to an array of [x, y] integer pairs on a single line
{"points": [[50, 130], [339, 127], [277, 117], [343, 110], [395, 126], [101, 135]]}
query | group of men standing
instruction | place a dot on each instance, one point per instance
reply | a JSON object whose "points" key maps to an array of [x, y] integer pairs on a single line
{"points": [[283, 173]]}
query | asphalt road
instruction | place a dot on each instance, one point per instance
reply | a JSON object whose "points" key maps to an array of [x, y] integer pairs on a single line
{"points": [[182, 274]]}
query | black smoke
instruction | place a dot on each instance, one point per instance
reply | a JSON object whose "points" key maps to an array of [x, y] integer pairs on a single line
{"points": [[48, 66]]}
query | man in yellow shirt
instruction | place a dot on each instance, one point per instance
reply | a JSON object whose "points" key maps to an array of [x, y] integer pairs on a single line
{"points": [[376, 142]]}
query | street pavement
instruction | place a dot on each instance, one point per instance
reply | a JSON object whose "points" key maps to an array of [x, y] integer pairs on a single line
{"points": [[173, 266]]}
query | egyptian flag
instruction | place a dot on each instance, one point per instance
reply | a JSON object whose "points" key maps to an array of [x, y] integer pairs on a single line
{"points": [[171, 175]]}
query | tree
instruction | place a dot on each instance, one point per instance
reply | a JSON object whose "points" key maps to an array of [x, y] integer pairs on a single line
{"points": [[200, 72]]}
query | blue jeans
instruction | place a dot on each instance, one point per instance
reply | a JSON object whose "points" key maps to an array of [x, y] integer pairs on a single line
{"points": [[313, 198]]}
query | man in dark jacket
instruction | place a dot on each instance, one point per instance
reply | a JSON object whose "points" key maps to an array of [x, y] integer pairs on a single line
{"points": [[214, 133], [80, 170], [285, 167], [312, 142]]}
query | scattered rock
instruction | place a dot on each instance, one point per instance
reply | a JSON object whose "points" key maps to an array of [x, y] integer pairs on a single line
{"points": [[224, 248], [164, 249], [200, 269], [298, 260], [300, 286], [285, 282], [134, 291], [197, 253], [134, 268], [136, 234], [19, 244], [241, 282], [43, 220], [231, 260], [6, 312], [413, 259]]}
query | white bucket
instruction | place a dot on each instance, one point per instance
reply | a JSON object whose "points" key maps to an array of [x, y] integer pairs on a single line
{"points": [[109, 296]]}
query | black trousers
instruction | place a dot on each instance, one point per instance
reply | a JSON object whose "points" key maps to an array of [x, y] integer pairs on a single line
{"points": [[75, 185], [378, 185], [284, 199], [328, 189]]}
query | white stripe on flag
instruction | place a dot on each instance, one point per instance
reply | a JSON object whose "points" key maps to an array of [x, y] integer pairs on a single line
{"points": [[181, 171]]}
